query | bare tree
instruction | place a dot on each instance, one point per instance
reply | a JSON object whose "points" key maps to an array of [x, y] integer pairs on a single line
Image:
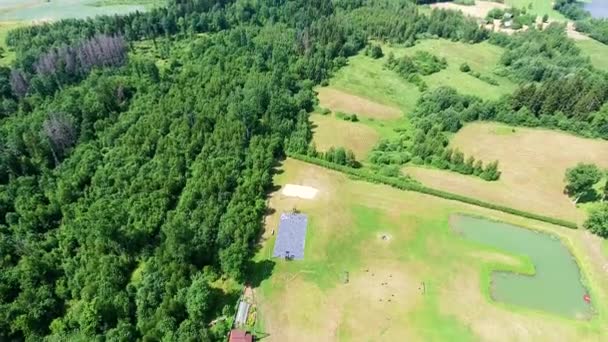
{"points": [[19, 83], [98, 51], [59, 129]]}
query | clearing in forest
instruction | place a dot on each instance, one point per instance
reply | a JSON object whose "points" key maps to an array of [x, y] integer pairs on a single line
{"points": [[340, 101], [331, 131], [533, 163], [383, 264], [369, 78]]}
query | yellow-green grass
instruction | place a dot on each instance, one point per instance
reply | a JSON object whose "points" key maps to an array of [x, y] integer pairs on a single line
{"points": [[341, 101], [307, 300], [5, 27], [533, 163], [331, 131], [597, 51], [539, 7], [361, 136], [367, 77]]}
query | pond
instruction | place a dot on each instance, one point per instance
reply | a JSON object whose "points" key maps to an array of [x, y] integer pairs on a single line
{"points": [[43, 10], [555, 287], [597, 8]]}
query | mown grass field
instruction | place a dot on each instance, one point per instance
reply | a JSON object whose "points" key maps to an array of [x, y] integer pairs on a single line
{"points": [[533, 164], [383, 299], [368, 78]]}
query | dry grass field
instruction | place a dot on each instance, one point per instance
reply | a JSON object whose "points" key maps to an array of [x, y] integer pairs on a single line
{"points": [[533, 163], [340, 101], [331, 131], [307, 300]]}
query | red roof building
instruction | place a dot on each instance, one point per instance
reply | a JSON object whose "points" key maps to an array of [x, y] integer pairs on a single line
{"points": [[240, 336]]}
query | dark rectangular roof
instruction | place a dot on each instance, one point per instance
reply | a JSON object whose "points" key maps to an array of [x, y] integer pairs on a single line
{"points": [[291, 236]]}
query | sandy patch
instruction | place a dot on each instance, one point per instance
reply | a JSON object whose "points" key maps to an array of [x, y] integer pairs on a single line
{"points": [[337, 100], [573, 33], [299, 191], [479, 10]]}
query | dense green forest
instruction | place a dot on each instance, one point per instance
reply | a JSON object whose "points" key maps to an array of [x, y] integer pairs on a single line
{"points": [[136, 151]]}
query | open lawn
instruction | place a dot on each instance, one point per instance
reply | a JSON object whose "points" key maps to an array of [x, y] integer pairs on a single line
{"points": [[533, 164], [410, 278], [367, 77], [36, 11], [597, 51]]}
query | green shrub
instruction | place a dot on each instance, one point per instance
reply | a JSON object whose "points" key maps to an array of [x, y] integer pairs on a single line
{"points": [[464, 67], [376, 52]]}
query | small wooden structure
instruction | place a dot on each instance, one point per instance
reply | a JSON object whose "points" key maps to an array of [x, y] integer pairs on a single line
{"points": [[237, 335]]}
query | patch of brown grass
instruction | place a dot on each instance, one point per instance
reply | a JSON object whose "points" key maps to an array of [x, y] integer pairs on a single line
{"points": [[533, 163], [331, 131], [337, 100]]}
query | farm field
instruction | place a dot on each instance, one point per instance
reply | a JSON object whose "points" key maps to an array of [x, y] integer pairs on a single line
{"points": [[40, 11], [368, 78], [410, 277], [337, 100], [533, 164], [360, 137]]}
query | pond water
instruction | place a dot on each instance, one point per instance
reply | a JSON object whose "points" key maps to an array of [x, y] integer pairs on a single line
{"points": [[597, 8], [43, 10], [556, 287]]}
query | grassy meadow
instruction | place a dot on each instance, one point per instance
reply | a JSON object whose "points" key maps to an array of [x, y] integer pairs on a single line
{"points": [[410, 277], [368, 78], [332, 131], [532, 169]]}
